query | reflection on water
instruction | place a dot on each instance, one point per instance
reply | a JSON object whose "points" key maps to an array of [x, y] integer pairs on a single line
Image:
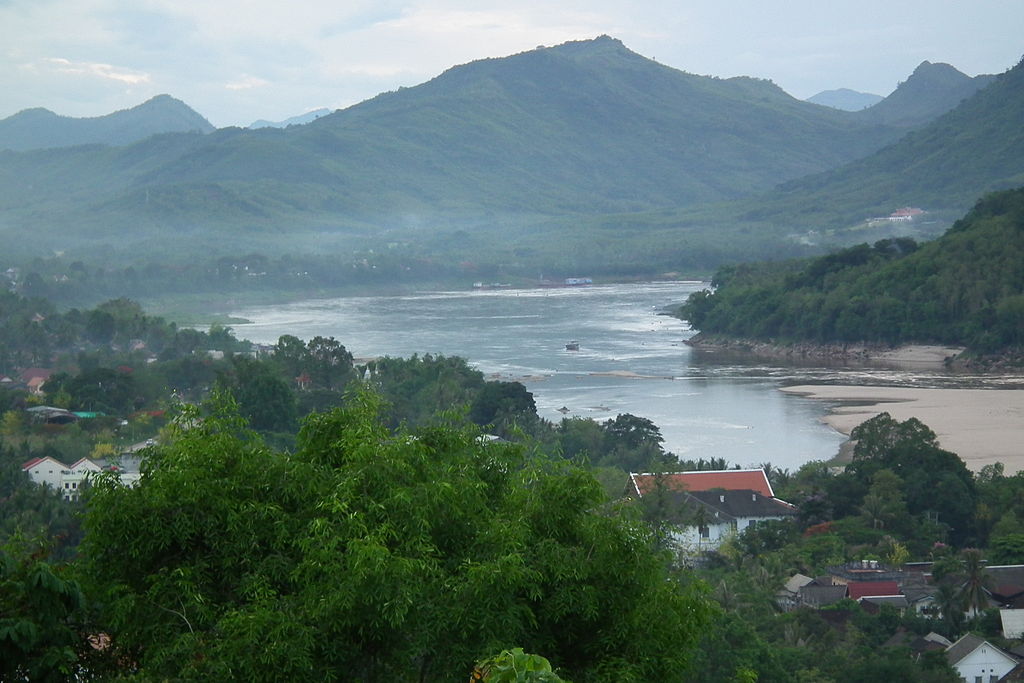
{"points": [[631, 359]]}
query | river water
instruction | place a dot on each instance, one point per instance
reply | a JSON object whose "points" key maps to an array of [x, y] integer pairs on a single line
{"points": [[631, 359]]}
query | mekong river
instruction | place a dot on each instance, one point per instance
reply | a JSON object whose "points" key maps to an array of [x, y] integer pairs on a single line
{"points": [[630, 360]]}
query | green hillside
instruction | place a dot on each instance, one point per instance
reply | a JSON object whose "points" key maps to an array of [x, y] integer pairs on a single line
{"points": [[582, 129], [976, 148], [967, 287], [932, 90], [42, 129]]}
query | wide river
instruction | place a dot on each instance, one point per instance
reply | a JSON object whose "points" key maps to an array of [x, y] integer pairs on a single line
{"points": [[630, 360]]}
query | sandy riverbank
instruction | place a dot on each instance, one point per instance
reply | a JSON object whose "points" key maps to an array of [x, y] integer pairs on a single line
{"points": [[982, 426]]}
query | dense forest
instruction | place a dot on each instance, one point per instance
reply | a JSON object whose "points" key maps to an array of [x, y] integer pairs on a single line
{"points": [[966, 287]]}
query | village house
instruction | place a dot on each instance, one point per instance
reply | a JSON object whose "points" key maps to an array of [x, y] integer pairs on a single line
{"points": [[976, 660], [709, 506], [68, 480], [35, 378]]}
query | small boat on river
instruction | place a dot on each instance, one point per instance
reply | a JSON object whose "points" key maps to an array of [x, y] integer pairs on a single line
{"points": [[572, 346]]}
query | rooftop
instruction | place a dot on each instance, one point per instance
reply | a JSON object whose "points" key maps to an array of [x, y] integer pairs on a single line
{"points": [[704, 480]]}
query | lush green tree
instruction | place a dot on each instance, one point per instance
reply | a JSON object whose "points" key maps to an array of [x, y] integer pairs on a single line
{"points": [[883, 505], [500, 403], [910, 450], [100, 389], [329, 363], [265, 399], [375, 555], [1007, 549], [41, 610], [634, 444]]}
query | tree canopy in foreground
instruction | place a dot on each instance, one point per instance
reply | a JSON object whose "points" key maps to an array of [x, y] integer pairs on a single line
{"points": [[375, 555]]}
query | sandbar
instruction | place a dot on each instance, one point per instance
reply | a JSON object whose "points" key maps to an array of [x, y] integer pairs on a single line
{"points": [[982, 426]]}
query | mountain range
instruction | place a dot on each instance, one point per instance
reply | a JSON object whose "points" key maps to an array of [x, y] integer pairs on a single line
{"points": [[572, 141], [299, 120], [42, 129], [975, 148]]}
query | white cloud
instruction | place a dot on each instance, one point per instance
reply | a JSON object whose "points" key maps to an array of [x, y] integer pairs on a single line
{"points": [[95, 69]]}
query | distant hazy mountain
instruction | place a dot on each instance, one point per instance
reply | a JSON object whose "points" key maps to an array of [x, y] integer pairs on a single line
{"points": [[585, 127], [975, 148], [41, 128], [293, 121], [586, 141], [845, 99], [932, 90]]}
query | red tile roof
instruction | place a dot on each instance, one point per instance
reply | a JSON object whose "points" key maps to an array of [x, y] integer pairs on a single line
{"points": [[868, 589], [29, 463], [729, 480]]}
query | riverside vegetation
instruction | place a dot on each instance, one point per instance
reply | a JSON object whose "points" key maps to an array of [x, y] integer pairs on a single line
{"points": [[964, 288], [358, 527]]}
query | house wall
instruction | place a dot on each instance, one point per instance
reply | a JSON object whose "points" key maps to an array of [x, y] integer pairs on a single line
{"points": [[985, 664], [46, 472], [689, 537], [71, 480]]}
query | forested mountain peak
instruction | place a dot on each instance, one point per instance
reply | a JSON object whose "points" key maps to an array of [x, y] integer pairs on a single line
{"points": [[930, 91], [40, 128]]}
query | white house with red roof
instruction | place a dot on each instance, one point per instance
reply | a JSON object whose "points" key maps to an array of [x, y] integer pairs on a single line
{"points": [[45, 471], [711, 505], [68, 480]]}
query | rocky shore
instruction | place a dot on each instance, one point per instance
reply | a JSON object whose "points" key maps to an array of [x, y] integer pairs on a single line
{"points": [[859, 353]]}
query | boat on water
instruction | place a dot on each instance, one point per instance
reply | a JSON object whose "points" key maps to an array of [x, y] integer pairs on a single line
{"points": [[572, 346]]}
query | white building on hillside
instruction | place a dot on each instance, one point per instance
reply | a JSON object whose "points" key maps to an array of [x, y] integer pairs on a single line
{"points": [[68, 480], [709, 506]]}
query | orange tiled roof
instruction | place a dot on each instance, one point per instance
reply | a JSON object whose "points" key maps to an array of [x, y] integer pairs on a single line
{"points": [[729, 480]]}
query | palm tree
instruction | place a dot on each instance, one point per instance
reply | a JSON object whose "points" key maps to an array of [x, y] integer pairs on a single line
{"points": [[975, 589], [950, 602]]}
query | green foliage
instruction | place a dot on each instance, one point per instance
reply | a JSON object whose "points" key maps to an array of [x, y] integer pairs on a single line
{"points": [[374, 554], [515, 666], [1007, 549], [962, 288], [40, 615], [266, 400], [918, 467]]}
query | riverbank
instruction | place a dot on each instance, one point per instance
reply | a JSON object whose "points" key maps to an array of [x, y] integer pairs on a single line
{"points": [[982, 426], [911, 354]]}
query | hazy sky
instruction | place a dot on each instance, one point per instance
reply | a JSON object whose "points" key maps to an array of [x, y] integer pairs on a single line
{"points": [[236, 61]]}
